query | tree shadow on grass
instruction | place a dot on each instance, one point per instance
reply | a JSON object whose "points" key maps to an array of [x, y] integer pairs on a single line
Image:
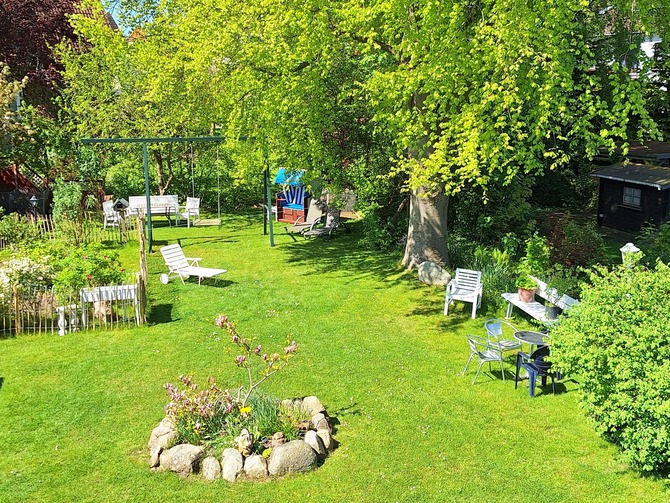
{"points": [[2, 381], [351, 410], [342, 252], [160, 313]]}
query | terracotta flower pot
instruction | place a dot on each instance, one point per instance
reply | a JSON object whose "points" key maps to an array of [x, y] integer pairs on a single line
{"points": [[527, 295]]}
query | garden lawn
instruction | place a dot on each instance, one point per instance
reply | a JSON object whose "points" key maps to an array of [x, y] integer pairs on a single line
{"points": [[76, 411]]}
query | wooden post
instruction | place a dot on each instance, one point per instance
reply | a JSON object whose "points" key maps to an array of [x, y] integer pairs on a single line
{"points": [[17, 311]]}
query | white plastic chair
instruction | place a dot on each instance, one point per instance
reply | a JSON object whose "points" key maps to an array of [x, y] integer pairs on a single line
{"points": [[190, 209], [111, 216], [466, 286], [481, 350]]}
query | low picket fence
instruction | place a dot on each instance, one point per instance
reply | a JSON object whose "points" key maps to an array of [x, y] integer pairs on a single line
{"points": [[45, 311], [89, 229]]}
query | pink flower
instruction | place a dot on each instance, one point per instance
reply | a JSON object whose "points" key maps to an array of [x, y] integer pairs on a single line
{"points": [[291, 348], [258, 349], [221, 320]]}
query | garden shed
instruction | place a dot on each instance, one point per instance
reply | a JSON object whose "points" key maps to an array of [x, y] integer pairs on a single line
{"points": [[631, 194]]}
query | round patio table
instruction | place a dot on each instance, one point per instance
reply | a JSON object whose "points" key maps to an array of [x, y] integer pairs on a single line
{"points": [[532, 338]]}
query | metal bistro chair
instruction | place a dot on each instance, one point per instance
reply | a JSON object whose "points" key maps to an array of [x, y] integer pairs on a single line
{"points": [[480, 349], [501, 335]]}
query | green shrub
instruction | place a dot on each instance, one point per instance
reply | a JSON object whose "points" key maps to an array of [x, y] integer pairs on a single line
{"points": [[617, 344], [575, 244], [86, 266], [655, 243], [17, 231]]}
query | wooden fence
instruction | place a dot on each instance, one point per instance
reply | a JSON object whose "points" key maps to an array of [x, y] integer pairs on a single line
{"points": [[47, 311], [88, 229]]}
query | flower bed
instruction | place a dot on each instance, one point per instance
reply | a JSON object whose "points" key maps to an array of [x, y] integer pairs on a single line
{"points": [[219, 433], [280, 456]]}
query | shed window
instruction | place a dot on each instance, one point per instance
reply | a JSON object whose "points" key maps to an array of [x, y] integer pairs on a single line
{"points": [[632, 197]]}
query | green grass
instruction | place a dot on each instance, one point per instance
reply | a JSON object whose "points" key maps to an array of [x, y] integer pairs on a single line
{"points": [[76, 411]]}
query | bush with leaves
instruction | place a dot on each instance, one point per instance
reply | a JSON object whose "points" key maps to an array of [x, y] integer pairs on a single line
{"points": [[87, 266], [654, 241], [617, 344], [17, 231], [575, 244]]}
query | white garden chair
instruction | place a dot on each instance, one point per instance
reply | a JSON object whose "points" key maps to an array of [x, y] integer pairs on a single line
{"points": [[466, 287], [190, 210], [111, 216]]}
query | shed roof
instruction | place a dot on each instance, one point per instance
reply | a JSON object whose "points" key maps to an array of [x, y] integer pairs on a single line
{"points": [[642, 174], [654, 150]]}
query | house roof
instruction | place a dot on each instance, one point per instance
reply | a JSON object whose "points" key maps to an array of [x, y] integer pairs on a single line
{"points": [[642, 174], [11, 179]]}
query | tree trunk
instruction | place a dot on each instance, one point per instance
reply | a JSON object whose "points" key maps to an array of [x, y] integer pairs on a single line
{"points": [[159, 171], [427, 231]]}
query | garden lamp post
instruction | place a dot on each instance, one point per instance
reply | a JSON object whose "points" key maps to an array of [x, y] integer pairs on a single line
{"points": [[629, 254], [33, 202]]}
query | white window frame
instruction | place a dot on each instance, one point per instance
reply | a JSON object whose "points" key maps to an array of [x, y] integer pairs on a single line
{"points": [[632, 197]]}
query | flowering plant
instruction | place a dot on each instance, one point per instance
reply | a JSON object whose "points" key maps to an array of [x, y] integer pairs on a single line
{"points": [[212, 415], [89, 265], [269, 363], [199, 413], [25, 275]]}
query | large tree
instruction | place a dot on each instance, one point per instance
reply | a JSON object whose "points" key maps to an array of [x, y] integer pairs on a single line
{"points": [[468, 93]]}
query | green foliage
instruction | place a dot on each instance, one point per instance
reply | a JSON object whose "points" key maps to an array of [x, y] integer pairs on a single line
{"points": [[617, 344], [67, 203], [564, 280], [86, 266], [17, 231], [655, 243], [535, 262], [483, 215], [67, 210], [575, 244], [495, 264], [262, 418]]}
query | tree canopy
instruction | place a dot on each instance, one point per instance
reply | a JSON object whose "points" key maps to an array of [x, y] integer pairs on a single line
{"points": [[447, 94]]}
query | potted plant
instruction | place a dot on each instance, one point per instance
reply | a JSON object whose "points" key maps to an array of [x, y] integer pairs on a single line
{"points": [[526, 286], [561, 281]]}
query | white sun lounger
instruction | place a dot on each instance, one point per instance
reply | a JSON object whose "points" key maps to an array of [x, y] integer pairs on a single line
{"points": [[184, 267]]}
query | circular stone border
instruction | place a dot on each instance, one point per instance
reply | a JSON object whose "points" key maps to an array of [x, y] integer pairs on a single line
{"points": [[286, 457]]}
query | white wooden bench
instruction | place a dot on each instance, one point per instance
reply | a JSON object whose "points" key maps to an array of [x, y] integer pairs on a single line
{"points": [[100, 295], [160, 205], [536, 309]]}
